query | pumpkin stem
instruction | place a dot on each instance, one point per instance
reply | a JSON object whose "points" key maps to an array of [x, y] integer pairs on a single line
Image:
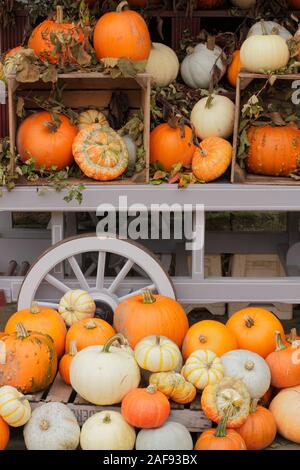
{"points": [[122, 6], [211, 43], [293, 335], [44, 425], [253, 405], [249, 322], [34, 308], [203, 152], [90, 325], [280, 346], [59, 14], [148, 297], [25, 397], [107, 418], [157, 340], [151, 388], [22, 333], [202, 339], [190, 50], [249, 365], [221, 429], [51, 126], [119, 337], [209, 101], [73, 348], [263, 27], [174, 121]]}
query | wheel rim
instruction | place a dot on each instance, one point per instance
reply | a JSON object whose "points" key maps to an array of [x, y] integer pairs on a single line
{"points": [[136, 258]]}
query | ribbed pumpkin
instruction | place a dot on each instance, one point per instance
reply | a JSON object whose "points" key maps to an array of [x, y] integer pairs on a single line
{"points": [[91, 116], [2, 334], [4, 434], [168, 146], [234, 68], [208, 334], [285, 408], [284, 364], [162, 54], [157, 354], [211, 159], [100, 153], [44, 320], [89, 332], [254, 329], [174, 386], [147, 314], [122, 33], [76, 305], [14, 407], [273, 151], [145, 408], [203, 368], [259, 430], [29, 362], [230, 398], [40, 39], [49, 145], [220, 438], [65, 363]]}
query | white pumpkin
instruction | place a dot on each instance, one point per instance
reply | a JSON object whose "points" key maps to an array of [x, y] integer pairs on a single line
{"points": [[203, 368], [264, 53], [14, 407], [249, 367], [103, 375], [91, 116], [157, 354], [162, 64], [196, 68], [76, 305], [243, 4], [269, 27], [52, 426], [213, 116], [131, 147], [170, 436], [107, 430]]}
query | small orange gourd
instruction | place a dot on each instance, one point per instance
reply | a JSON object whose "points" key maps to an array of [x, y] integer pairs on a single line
{"points": [[211, 159], [234, 68], [65, 363], [89, 332]]}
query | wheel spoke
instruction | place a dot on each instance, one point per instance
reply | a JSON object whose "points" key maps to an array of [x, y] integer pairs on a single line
{"points": [[121, 276], [54, 305], [137, 292], [78, 273], [56, 283], [90, 269], [100, 270]]}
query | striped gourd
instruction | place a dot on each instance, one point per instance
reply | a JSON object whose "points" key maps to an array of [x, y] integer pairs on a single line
{"points": [[76, 305], [14, 407], [90, 117], [203, 368], [157, 354]]}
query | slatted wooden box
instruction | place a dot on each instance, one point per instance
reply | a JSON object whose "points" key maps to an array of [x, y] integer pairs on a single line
{"points": [[239, 174], [81, 91]]}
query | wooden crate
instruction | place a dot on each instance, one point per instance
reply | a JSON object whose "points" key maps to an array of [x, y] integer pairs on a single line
{"points": [[240, 175], [190, 416], [254, 265], [81, 91]]}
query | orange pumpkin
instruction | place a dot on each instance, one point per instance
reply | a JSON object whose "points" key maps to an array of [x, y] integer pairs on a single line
{"points": [[145, 407], [234, 68], [89, 332], [30, 361], [292, 336], [44, 320], [4, 434], [122, 33], [284, 364], [265, 400], [100, 153], [273, 151], [208, 334], [2, 333], [254, 329], [209, 4], [13, 51], [147, 314], [49, 145], [211, 159], [259, 431], [168, 146], [220, 438], [67, 33], [65, 363]]}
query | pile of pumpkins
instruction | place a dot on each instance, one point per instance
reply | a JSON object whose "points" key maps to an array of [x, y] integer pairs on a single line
{"points": [[236, 368]]}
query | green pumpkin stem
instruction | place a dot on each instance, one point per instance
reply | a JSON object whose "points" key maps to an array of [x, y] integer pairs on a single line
{"points": [[22, 333], [59, 14], [107, 418], [280, 346], [148, 297], [34, 308], [253, 405], [119, 337], [221, 429]]}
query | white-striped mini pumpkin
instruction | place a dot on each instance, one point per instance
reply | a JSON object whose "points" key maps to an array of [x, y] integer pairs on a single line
{"points": [[14, 407], [203, 368], [100, 153], [91, 116], [157, 354], [76, 305]]}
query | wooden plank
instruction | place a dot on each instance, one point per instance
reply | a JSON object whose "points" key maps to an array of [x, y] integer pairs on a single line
{"points": [[196, 404], [80, 401], [59, 391], [176, 406], [138, 178]]}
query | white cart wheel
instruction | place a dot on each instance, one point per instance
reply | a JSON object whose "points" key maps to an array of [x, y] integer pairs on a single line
{"points": [[42, 271]]}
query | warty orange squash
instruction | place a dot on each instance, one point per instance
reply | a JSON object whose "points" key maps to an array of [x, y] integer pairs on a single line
{"points": [[211, 159]]}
